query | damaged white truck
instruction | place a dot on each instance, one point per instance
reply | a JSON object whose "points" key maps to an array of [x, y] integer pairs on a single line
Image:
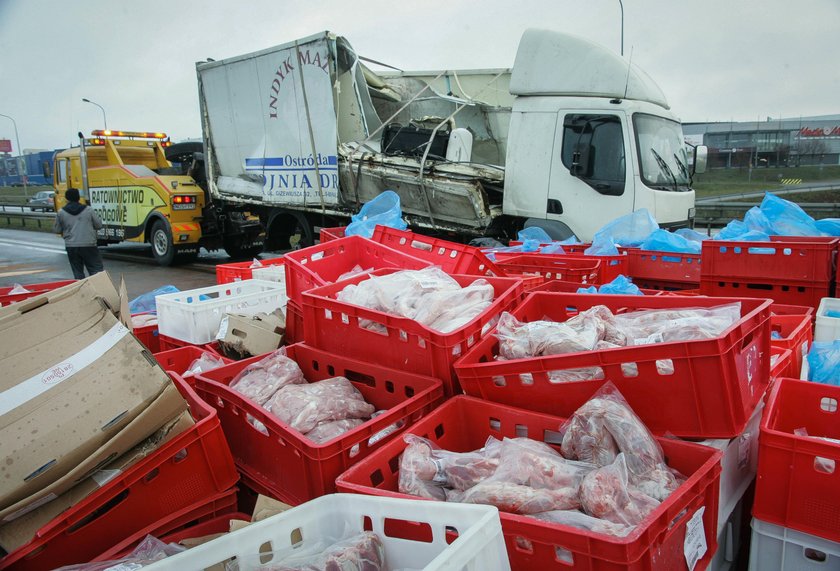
{"points": [[569, 138]]}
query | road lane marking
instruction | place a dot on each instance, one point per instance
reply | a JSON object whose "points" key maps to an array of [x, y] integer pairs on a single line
{"points": [[46, 247]]}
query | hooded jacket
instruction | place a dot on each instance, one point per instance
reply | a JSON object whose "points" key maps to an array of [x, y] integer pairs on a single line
{"points": [[78, 224]]}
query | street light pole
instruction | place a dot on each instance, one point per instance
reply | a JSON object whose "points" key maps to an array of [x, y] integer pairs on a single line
{"points": [[22, 163], [104, 119], [620, 3]]}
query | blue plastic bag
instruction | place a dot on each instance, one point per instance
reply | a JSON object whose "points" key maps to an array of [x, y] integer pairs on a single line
{"points": [[824, 363], [830, 226], [692, 235], [530, 246], [787, 218], [145, 303], [383, 210], [534, 233], [602, 245], [629, 230], [553, 248], [663, 241], [756, 221], [621, 285]]}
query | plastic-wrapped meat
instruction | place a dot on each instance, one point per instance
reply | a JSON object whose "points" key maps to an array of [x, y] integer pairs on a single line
{"points": [[425, 469], [428, 296], [354, 271], [362, 552], [668, 325], [606, 425], [519, 340], [259, 381], [535, 464], [605, 493], [580, 520], [326, 431], [303, 407], [517, 499]]}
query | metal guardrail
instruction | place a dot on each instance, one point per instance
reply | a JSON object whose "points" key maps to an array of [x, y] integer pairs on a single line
{"points": [[798, 189], [720, 213], [19, 215]]}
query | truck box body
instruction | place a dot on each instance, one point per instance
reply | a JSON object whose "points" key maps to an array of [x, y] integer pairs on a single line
{"points": [[301, 127]]}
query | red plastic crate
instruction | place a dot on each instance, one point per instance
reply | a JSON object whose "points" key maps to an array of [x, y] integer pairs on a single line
{"points": [[712, 392], [463, 424], [781, 292], [797, 335], [784, 259], [798, 485], [334, 326], [781, 309], [664, 267], [167, 343], [198, 520], [179, 359], [193, 467], [227, 273], [148, 336], [7, 298], [555, 267], [452, 257], [286, 465], [328, 234], [324, 263], [294, 323], [783, 361]]}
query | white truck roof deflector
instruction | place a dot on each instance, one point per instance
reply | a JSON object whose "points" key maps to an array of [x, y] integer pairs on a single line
{"points": [[550, 63]]}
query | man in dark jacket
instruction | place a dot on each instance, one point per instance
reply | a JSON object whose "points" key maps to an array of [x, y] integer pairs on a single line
{"points": [[78, 224]]}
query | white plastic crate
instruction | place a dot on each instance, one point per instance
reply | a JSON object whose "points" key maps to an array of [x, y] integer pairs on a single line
{"points": [[777, 548], [827, 328], [480, 545], [739, 464], [194, 315], [272, 273]]}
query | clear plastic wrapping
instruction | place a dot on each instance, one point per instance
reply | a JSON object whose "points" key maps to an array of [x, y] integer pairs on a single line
{"points": [[326, 431], [147, 552], [586, 522], [261, 380], [428, 296], [516, 498], [304, 406], [207, 362], [606, 493], [361, 552], [606, 426]]}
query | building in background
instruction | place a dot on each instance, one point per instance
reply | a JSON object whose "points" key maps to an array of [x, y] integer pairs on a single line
{"points": [[37, 165], [773, 142]]}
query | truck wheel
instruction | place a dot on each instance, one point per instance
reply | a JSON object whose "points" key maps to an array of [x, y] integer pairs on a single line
{"points": [[235, 249], [162, 247]]}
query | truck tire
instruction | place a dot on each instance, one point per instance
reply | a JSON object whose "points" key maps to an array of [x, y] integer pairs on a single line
{"points": [[288, 230], [235, 249], [162, 247]]}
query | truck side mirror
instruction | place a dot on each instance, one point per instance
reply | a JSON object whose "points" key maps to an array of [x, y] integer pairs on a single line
{"points": [[581, 161], [701, 155]]}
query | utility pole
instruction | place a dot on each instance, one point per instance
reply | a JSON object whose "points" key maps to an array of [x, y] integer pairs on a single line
{"points": [[621, 4], [104, 119]]}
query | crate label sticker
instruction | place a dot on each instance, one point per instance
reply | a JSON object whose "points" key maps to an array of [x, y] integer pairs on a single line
{"points": [[744, 445], [695, 546], [650, 339], [752, 361], [223, 328], [440, 473]]}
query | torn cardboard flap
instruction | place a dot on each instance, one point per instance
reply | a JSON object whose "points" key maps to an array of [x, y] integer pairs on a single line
{"points": [[98, 285], [22, 529], [249, 335]]}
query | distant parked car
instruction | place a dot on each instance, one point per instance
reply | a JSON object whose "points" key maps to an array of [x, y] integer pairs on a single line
{"points": [[44, 200]]}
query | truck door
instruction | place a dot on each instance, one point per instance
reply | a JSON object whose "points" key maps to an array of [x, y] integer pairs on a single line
{"points": [[591, 178]]}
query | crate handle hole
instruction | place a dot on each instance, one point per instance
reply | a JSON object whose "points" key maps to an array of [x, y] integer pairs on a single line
{"points": [[376, 478], [629, 370], [665, 367], [406, 529], [526, 378], [451, 534], [828, 404], [815, 555], [824, 465], [499, 381], [524, 545], [495, 424], [563, 555], [367, 523], [180, 456], [521, 431], [439, 431]]}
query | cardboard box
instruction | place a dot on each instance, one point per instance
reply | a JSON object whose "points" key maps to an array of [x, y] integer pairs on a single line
{"points": [[78, 390], [20, 531], [244, 336]]}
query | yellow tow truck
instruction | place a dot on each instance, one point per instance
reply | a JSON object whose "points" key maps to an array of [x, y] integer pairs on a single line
{"points": [[129, 179]]}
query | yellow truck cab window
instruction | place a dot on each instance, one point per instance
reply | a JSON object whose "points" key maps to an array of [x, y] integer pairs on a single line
{"points": [[61, 172], [593, 150]]}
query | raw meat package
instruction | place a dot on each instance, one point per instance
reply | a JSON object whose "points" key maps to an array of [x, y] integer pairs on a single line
{"points": [[259, 381], [609, 467], [428, 296]]}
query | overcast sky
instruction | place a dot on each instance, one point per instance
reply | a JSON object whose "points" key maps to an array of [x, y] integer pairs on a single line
{"points": [[715, 60]]}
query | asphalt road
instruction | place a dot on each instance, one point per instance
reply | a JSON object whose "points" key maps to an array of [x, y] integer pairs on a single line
{"points": [[33, 257]]}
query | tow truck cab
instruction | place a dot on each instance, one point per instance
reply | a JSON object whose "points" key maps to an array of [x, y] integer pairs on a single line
{"points": [[125, 177]]}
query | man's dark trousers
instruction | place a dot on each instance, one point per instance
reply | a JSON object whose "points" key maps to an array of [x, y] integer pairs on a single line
{"points": [[84, 257]]}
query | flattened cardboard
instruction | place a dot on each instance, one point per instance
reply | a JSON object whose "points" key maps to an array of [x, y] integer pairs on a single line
{"points": [[20, 531], [51, 432], [267, 507], [250, 335]]}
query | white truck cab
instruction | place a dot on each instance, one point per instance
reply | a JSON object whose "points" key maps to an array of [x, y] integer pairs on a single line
{"points": [[591, 138]]}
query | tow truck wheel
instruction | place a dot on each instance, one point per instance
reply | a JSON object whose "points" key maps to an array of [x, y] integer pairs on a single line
{"points": [[162, 247]]}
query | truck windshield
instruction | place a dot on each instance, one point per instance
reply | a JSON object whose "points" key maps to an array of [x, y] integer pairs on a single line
{"points": [[663, 159]]}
